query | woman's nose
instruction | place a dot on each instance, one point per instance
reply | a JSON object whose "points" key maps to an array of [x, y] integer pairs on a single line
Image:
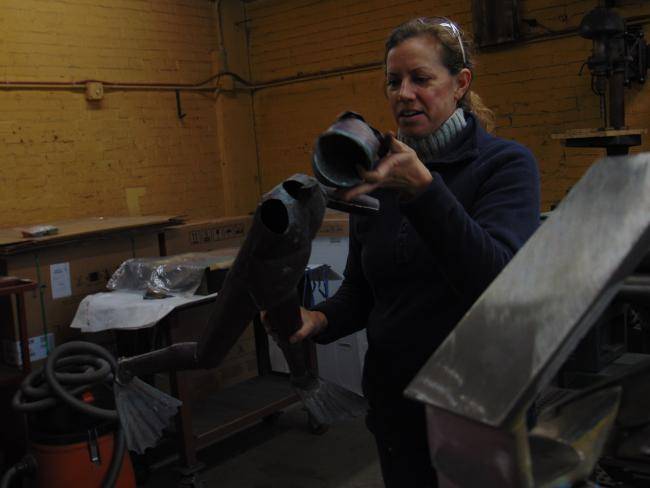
{"points": [[406, 91]]}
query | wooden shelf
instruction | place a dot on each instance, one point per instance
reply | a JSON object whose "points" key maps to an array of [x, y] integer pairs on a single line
{"points": [[13, 242], [16, 287], [616, 141], [224, 412], [21, 287], [590, 133]]}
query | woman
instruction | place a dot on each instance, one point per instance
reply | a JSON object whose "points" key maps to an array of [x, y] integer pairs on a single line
{"points": [[456, 205]]}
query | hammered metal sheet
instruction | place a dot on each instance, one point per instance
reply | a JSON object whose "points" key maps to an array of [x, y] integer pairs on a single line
{"points": [[521, 330]]}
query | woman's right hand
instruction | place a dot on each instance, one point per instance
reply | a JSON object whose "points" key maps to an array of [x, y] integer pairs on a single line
{"points": [[400, 169], [313, 323]]}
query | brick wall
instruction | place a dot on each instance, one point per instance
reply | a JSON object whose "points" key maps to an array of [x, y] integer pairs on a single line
{"points": [[534, 88], [63, 157]]}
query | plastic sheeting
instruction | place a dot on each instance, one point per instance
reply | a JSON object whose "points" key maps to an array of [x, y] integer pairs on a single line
{"points": [[178, 275]]}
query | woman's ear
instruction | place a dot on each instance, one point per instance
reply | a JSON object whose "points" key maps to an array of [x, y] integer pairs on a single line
{"points": [[463, 81]]}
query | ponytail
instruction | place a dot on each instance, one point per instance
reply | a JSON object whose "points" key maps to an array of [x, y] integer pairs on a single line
{"points": [[473, 103]]}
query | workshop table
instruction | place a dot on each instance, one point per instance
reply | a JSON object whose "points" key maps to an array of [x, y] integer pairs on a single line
{"points": [[223, 412]]}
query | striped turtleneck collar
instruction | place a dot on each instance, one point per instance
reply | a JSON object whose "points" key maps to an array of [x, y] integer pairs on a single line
{"points": [[430, 147]]}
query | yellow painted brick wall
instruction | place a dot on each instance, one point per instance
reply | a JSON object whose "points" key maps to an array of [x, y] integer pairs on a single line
{"points": [[63, 157], [534, 88]]}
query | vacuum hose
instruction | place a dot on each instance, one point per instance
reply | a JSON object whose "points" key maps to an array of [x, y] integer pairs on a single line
{"points": [[25, 466], [71, 369]]}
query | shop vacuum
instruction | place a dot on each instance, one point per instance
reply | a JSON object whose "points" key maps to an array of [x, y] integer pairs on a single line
{"points": [[74, 435]]}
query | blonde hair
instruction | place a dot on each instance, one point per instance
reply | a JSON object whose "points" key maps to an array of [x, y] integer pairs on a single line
{"points": [[457, 54]]}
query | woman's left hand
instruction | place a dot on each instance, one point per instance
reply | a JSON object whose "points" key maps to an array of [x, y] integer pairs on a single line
{"points": [[399, 169]]}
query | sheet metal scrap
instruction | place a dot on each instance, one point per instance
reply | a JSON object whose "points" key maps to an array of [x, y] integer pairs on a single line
{"points": [[480, 382]]}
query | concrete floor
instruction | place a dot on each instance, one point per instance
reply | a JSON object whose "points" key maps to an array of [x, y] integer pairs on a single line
{"points": [[285, 454]]}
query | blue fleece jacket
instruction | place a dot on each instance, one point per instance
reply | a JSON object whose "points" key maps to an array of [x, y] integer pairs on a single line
{"points": [[414, 269]]}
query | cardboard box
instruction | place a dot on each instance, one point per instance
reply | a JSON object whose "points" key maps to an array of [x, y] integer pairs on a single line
{"points": [[215, 275], [239, 364], [207, 235], [68, 267], [335, 224], [211, 234], [39, 348]]}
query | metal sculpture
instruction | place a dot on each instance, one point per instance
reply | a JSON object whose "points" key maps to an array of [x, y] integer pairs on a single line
{"points": [[264, 276], [479, 384]]}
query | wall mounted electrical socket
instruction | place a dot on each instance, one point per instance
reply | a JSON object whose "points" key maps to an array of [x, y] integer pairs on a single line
{"points": [[94, 90]]}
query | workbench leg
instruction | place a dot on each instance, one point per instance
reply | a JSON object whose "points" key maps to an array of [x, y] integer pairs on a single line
{"points": [[189, 464]]}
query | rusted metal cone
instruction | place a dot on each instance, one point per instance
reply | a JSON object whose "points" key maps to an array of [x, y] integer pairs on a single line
{"points": [[144, 413], [329, 403]]}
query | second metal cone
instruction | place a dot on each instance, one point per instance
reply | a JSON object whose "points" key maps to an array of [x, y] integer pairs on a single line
{"points": [[329, 403]]}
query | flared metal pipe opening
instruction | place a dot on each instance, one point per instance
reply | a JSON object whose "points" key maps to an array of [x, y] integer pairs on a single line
{"points": [[274, 216], [337, 156]]}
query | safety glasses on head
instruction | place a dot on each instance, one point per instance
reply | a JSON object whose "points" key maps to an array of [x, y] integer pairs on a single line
{"points": [[451, 27]]}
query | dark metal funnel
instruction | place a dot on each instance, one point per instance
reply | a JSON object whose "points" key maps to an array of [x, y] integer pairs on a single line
{"points": [[348, 143]]}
